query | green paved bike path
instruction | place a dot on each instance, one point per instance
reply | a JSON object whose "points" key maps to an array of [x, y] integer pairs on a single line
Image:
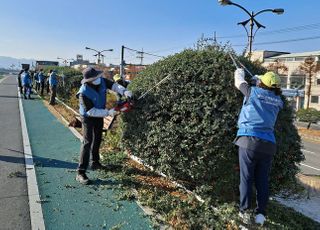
{"points": [[65, 203]]}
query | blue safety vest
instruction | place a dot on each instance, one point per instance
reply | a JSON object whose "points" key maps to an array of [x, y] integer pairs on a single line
{"points": [[259, 114], [26, 79], [41, 77], [53, 81], [36, 76], [98, 98]]}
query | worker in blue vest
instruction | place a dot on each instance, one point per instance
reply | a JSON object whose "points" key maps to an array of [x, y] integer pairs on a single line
{"points": [[53, 83], [26, 83], [256, 140], [41, 81], [92, 108]]}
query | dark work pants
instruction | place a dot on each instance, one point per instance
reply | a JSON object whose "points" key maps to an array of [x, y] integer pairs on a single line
{"points": [[53, 93], [92, 136], [254, 167], [26, 91], [37, 86], [41, 88]]}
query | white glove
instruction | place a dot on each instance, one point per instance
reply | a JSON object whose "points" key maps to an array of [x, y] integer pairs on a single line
{"points": [[239, 77], [112, 112], [94, 112], [127, 94]]}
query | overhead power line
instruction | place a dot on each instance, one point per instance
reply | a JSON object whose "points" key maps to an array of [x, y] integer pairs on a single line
{"points": [[284, 41], [280, 31], [139, 51]]}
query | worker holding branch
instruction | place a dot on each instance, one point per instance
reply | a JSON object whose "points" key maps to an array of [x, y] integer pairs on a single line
{"points": [[256, 139], [92, 107]]}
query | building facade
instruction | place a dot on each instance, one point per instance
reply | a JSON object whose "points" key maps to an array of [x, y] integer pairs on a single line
{"points": [[294, 81]]}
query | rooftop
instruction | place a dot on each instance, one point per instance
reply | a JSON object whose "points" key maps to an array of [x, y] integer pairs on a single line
{"points": [[291, 55]]}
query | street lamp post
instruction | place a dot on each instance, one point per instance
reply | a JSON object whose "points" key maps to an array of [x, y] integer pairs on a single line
{"points": [[99, 53], [251, 20]]}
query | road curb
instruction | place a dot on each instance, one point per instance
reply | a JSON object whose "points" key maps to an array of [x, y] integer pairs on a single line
{"points": [[36, 215]]}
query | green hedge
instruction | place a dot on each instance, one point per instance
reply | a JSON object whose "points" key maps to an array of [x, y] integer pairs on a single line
{"points": [[185, 127], [72, 81], [308, 115]]}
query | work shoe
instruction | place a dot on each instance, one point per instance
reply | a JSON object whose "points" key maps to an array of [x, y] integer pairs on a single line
{"points": [[97, 166], [245, 216], [260, 219], [82, 178]]}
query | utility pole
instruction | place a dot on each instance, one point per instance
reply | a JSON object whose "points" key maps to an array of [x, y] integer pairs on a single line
{"points": [[122, 63], [140, 56]]}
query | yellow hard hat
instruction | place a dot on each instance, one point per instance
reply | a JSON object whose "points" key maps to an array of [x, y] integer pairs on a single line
{"points": [[116, 77], [270, 79]]}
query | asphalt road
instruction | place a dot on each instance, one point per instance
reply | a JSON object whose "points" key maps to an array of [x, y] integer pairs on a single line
{"points": [[311, 166], [305, 124], [14, 207]]}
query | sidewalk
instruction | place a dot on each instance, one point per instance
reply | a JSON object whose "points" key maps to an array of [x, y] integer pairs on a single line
{"points": [[65, 203], [14, 208]]}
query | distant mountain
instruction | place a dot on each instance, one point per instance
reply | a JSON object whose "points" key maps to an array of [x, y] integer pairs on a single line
{"points": [[7, 62]]}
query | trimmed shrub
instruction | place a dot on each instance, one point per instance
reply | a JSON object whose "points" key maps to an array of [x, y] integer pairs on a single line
{"points": [[308, 115], [186, 126]]}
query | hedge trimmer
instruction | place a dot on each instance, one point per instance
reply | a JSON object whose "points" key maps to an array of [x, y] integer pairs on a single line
{"points": [[238, 64], [126, 106]]}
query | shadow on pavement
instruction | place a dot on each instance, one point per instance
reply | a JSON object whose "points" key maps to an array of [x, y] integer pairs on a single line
{"points": [[41, 162], [5, 96]]}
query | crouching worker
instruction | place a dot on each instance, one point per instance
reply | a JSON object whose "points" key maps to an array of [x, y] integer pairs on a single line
{"points": [[92, 99], [256, 140]]}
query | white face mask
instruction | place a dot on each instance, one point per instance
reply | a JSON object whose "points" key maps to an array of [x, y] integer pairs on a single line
{"points": [[97, 81]]}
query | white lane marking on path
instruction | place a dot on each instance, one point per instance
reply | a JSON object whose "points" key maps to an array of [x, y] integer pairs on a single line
{"points": [[307, 151], [310, 167], [36, 215], [1, 80]]}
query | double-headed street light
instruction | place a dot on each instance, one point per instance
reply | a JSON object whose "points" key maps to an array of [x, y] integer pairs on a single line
{"points": [[252, 20], [99, 53]]}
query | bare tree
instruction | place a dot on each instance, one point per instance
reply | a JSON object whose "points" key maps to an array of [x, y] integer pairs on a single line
{"points": [[278, 67], [309, 67]]}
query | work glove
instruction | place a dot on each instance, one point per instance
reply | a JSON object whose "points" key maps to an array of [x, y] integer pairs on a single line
{"points": [[239, 77], [94, 112], [128, 94], [254, 80], [112, 112]]}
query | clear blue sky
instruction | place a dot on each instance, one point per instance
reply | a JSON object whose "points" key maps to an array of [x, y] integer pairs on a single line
{"points": [[43, 29]]}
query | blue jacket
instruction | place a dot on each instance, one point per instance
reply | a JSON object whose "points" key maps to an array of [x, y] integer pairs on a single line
{"points": [[53, 80], [259, 114], [26, 79], [98, 98], [41, 77], [36, 77]]}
